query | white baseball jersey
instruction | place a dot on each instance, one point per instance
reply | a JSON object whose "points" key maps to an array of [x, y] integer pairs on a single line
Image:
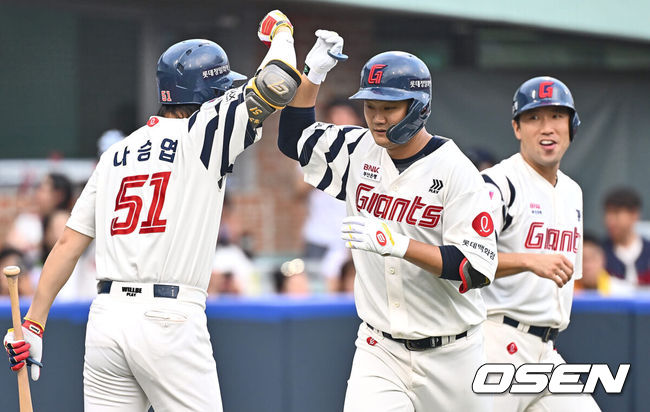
{"points": [[440, 199], [154, 202], [533, 216]]}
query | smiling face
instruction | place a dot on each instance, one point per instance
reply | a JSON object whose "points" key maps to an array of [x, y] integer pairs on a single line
{"points": [[381, 115], [544, 136]]}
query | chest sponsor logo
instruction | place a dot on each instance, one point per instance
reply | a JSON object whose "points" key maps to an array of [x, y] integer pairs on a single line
{"points": [[535, 209], [539, 237], [483, 224], [412, 211], [371, 172], [436, 186]]}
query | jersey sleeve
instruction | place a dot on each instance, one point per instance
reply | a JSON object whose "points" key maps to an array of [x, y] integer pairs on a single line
{"points": [[501, 195], [221, 130], [82, 218], [324, 152], [467, 222]]}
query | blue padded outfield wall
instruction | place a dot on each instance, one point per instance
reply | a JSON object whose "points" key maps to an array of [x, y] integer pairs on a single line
{"points": [[294, 355]]}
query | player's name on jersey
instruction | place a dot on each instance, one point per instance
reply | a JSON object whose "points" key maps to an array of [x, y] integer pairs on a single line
{"points": [[166, 153]]}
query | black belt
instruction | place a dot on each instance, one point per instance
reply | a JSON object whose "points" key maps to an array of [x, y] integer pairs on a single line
{"points": [[417, 344], [546, 333], [159, 291]]}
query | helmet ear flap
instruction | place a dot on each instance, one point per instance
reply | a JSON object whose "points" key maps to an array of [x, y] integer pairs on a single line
{"points": [[575, 122], [426, 111], [405, 129]]}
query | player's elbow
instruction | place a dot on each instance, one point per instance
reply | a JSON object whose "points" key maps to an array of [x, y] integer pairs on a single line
{"points": [[293, 121]]}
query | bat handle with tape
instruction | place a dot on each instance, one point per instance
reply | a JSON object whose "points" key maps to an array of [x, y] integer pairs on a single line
{"points": [[24, 394], [338, 56]]}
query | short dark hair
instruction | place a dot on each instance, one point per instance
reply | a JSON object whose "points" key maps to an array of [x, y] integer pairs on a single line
{"points": [[10, 251], [589, 237], [62, 184], [179, 111], [623, 197]]}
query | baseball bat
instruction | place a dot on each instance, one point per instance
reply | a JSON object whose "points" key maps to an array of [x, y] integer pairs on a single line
{"points": [[24, 395]]}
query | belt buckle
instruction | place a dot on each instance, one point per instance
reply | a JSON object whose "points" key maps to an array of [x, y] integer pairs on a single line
{"points": [[413, 346], [423, 344]]}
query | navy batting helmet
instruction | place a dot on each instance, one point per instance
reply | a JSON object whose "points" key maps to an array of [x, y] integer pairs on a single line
{"points": [[397, 76], [191, 71], [545, 91]]}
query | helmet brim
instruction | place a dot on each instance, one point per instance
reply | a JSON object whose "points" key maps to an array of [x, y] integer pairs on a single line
{"points": [[381, 93], [542, 103], [224, 83]]}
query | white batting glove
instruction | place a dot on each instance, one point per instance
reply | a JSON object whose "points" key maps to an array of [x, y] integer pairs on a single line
{"points": [[319, 60], [29, 350], [373, 235], [270, 24]]}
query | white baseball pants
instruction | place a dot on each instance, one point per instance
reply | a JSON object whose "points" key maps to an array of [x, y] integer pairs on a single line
{"points": [[387, 377], [143, 351], [528, 348]]}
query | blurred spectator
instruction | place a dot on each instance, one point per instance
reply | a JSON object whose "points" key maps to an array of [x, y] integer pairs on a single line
{"points": [[594, 275], [14, 257], [346, 279], [35, 232], [233, 271], [291, 279], [627, 254], [323, 246], [108, 139], [481, 158]]}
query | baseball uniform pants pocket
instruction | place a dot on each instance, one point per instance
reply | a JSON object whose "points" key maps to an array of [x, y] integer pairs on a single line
{"points": [[165, 330]]}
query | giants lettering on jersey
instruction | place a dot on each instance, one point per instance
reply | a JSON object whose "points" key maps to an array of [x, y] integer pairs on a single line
{"points": [[552, 239], [397, 208]]}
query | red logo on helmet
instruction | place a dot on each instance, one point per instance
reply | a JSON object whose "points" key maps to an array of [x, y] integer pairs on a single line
{"points": [[483, 225], [152, 122], [371, 341], [512, 348], [545, 90], [374, 77], [381, 238]]}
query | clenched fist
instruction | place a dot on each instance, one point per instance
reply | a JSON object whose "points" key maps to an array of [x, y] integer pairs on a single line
{"points": [[270, 24]]}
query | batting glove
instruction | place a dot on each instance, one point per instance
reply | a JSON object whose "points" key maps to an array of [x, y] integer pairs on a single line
{"points": [[28, 350], [270, 24], [319, 60], [373, 236]]}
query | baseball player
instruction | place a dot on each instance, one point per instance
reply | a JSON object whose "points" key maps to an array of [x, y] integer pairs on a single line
{"points": [[153, 205], [421, 239], [537, 213]]}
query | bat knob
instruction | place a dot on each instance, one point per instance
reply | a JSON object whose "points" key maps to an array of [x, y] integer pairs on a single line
{"points": [[338, 56], [11, 270]]}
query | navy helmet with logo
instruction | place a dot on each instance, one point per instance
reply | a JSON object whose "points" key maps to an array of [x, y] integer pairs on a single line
{"points": [[394, 76], [193, 72], [545, 91]]}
